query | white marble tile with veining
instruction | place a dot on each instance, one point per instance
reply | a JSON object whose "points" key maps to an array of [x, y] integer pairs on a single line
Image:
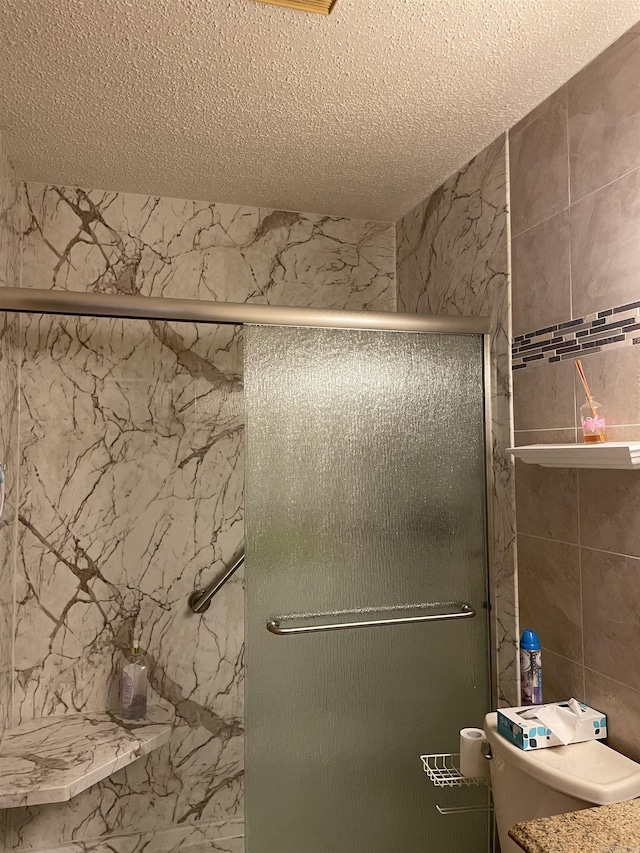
{"points": [[132, 470], [452, 252], [215, 837], [52, 759], [10, 227], [125, 243]]}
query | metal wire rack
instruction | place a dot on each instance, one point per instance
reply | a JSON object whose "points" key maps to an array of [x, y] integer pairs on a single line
{"points": [[442, 769]]}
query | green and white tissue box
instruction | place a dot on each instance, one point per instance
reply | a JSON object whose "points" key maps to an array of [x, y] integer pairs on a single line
{"points": [[530, 733]]}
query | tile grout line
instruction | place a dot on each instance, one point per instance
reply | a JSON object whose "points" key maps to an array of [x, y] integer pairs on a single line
{"points": [[557, 429], [575, 407], [608, 184], [559, 654], [541, 222], [615, 680], [546, 429], [511, 476], [569, 209], [584, 683], [578, 545]]}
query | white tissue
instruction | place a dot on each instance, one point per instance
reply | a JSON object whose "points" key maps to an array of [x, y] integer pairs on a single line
{"points": [[530, 713], [473, 764], [563, 721]]}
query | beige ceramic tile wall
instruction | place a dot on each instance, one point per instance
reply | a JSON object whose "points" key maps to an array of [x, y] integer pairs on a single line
{"points": [[575, 196]]}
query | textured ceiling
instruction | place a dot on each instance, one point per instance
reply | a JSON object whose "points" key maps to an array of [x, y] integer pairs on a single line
{"points": [[361, 113]]}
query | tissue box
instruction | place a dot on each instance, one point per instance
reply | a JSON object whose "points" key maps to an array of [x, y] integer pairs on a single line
{"points": [[531, 734]]}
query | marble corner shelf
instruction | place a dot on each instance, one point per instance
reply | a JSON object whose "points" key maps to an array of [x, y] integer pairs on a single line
{"points": [[610, 454], [51, 759]]}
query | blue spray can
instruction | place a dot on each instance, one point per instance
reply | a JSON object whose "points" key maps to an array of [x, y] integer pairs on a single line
{"points": [[530, 669]]}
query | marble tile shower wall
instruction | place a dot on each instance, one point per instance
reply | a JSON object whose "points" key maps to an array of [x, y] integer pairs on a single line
{"points": [[131, 463], [575, 193], [10, 227], [452, 252]]}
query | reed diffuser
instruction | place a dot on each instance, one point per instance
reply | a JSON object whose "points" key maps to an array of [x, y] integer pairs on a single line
{"points": [[593, 422]]}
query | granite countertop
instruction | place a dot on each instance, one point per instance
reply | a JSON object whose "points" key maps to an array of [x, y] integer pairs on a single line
{"points": [[51, 759], [596, 830]]}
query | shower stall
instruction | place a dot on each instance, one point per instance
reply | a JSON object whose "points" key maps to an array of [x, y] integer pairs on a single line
{"points": [[365, 585]]}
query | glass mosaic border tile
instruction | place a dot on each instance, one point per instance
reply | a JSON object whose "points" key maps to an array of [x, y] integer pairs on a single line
{"points": [[613, 327]]}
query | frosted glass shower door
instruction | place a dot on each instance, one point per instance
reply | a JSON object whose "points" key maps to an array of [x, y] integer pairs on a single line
{"points": [[365, 491]]}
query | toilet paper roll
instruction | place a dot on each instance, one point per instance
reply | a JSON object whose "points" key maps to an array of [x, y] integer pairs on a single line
{"points": [[472, 762]]}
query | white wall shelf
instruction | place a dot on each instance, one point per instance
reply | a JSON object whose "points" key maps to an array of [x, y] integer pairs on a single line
{"points": [[51, 759], [608, 454]]}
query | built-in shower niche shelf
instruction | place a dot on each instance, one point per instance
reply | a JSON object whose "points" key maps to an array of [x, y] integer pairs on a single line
{"points": [[609, 454], [51, 759]]}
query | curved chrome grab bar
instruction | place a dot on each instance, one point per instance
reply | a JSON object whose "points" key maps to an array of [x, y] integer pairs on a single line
{"points": [[466, 612], [200, 599]]}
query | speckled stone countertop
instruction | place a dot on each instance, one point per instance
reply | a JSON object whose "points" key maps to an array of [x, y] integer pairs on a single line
{"points": [[603, 829]]}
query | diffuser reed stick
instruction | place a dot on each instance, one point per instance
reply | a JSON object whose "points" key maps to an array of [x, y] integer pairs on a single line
{"points": [[592, 404], [585, 385]]}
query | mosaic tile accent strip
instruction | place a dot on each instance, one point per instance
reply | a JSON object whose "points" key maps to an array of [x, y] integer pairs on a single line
{"points": [[614, 327]]}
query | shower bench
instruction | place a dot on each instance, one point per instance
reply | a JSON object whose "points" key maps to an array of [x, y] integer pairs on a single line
{"points": [[51, 759]]}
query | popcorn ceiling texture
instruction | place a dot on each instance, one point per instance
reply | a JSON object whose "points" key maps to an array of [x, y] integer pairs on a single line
{"points": [[360, 114]]}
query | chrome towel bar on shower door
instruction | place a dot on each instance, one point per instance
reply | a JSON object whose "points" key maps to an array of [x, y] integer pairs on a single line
{"points": [[463, 611]]}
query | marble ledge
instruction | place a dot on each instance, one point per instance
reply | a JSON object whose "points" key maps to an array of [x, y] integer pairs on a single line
{"points": [[596, 830], [51, 759]]}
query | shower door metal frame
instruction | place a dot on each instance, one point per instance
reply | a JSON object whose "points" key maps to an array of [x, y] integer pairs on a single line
{"points": [[490, 491], [28, 300]]}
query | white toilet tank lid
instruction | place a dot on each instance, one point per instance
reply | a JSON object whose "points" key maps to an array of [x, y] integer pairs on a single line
{"points": [[589, 771]]}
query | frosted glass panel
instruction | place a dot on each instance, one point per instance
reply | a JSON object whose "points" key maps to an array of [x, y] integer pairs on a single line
{"points": [[364, 489]]}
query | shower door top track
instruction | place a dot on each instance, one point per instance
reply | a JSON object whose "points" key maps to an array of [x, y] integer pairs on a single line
{"points": [[136, 307]]}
